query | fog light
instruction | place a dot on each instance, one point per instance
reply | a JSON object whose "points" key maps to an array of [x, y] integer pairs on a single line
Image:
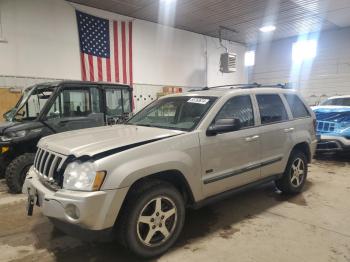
{"points": [[72, 211]]}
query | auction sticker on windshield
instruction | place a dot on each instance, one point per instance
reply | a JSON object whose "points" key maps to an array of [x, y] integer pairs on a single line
{"points": [[196, 100]]}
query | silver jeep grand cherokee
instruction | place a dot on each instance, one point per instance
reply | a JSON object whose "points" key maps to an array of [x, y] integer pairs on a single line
{"points": [[135, 180]]}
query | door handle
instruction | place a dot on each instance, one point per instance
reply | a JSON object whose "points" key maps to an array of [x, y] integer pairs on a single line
{"points": [[288, 130], [252, 138]]}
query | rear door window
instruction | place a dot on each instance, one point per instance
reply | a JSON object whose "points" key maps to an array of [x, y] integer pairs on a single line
{"points": [[271, 108], [126, 100], [114, 102], [297, 107]]}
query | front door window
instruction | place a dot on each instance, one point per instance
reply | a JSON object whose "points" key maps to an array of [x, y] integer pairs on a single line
{"points": [[75, 103]]}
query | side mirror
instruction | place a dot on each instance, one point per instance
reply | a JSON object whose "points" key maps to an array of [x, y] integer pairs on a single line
{"points": [[224, 126]]}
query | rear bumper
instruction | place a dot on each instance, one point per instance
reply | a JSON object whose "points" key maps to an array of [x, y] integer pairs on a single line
{"points": [[91, 210], [329, 143]]}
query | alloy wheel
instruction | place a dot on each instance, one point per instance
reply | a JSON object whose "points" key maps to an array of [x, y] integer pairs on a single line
{"points": [[297, 172], [157, 221]]}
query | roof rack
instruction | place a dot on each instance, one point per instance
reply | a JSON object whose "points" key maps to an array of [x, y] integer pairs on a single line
{"points": [[252, 85], [243, 86]]}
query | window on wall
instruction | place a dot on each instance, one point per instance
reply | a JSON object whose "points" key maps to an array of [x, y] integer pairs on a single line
{"points": [[271, 109], [304, 50], [249, 58], [239, 107], [296, 106]]}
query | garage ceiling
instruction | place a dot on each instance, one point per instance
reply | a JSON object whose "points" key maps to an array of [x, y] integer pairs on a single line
{"points": [[291, 17]]}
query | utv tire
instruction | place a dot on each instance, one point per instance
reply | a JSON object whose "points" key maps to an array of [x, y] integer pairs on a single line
{"points": [[152, 219], [17, 170], [294, 177]]}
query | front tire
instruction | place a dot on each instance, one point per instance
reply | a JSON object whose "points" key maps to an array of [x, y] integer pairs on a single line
{"points": [[17, 170], [294, 176], [152, 219]]}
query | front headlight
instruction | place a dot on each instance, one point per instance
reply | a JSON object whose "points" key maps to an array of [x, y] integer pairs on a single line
{"points": [[10, 135], [83, 177], [18, 134]]}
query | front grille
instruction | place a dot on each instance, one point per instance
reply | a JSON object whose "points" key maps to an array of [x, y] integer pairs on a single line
{"points": [[48, 165], [325, 126]]}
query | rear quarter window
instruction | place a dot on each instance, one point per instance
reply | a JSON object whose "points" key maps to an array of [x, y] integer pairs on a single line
{"points": [[297, 106]]}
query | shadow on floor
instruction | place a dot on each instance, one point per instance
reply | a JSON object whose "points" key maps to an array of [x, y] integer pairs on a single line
{"points": [[219, 218], [334, 158]]}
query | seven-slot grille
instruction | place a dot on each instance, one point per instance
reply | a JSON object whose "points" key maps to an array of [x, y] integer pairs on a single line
{"points": [[47, 163], [325, 126]]}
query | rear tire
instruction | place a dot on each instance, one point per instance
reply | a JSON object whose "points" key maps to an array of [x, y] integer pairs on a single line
{"points": [[295, 174], [17, 170], [152, 219]]}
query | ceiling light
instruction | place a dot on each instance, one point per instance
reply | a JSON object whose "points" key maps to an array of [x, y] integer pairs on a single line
{"points": [[267, 28]]}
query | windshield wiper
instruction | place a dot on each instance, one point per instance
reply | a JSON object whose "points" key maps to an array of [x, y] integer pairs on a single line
{"points": [[148, 125]]}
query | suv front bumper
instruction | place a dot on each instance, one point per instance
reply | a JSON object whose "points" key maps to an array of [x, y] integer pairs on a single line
{"points": [[329, 143], [88, 210]]}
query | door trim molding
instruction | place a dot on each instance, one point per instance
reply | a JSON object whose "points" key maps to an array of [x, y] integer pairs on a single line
{"points": [[231, 192], [241, 170]]}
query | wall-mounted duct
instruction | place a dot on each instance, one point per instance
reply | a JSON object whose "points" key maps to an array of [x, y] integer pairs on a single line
{"points": [[227, 60]]}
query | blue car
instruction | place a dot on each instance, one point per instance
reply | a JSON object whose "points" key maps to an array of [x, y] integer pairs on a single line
{"points": [[333, 124]]}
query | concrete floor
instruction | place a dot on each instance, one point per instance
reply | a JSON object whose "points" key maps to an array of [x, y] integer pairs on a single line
{"points": [[259, 225]]}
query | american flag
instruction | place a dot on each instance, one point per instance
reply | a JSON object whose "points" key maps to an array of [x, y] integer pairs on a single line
{"points": [[105, 49]]}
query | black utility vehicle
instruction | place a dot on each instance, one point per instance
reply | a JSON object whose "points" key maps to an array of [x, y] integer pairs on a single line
{"points": [[50, 108]]}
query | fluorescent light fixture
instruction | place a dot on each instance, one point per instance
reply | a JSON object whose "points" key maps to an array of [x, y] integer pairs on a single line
{"points": [[304, 50], [267, 28], [249, 58]]}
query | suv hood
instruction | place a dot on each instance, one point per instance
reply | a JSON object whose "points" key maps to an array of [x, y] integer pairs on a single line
{"points": [[96, 140], [332, 113]]}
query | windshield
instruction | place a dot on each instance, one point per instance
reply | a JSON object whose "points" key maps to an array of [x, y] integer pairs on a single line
{"points": [[342, 101], [179, 113], [11, 113], [31, 103]]}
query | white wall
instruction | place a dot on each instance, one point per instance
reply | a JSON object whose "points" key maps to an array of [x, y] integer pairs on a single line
{"points": [[43, 42], [42, 39], [327, 75]]}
